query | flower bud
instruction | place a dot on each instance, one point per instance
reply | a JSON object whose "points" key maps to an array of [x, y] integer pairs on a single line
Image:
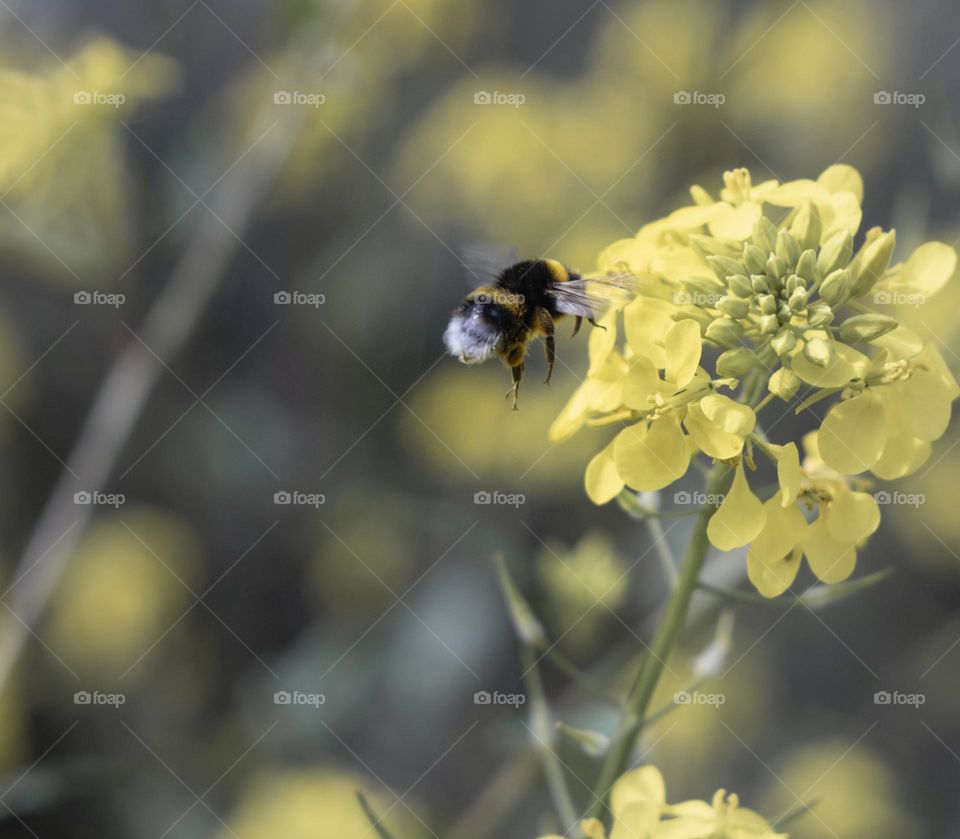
{"points": [[784, 341], [866, 327], [736, 362], [739, 284], [724, 265], [835, 253], [807, 227], [784, 313], [835, 289], [819, 314], [592, 742], [807, 265], [798, 300], [760, 283], [754, 258], [704, 287], [764, 235], [784, 383], [776, 267], [787, 248], [733, 306], [724, 331], [871, 261], [767, 303], [819, 351], [528, 628], [769, 324]]}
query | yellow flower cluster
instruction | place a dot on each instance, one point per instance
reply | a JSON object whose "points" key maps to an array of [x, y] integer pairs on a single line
{"points": [[761, 293], [640, 810]]}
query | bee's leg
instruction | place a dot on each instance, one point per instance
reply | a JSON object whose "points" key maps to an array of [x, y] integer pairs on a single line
{"points": [[576, 326], [517, 373], [549, 344], [598, 325]]}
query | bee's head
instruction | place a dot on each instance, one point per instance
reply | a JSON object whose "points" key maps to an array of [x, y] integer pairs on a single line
{"points": [[474, 329]]}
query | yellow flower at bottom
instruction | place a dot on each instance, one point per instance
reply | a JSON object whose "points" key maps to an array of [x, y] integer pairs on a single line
{"points": [[638, 802]]}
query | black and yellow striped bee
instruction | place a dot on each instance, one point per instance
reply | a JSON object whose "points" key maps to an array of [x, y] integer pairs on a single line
{"points": [[523, 302]]}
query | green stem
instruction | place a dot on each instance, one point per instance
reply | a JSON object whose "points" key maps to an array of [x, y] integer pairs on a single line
{"points": [[663, 642], [544, 736]]}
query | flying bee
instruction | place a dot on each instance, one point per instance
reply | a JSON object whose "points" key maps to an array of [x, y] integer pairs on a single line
{"points": [[524, 302]]}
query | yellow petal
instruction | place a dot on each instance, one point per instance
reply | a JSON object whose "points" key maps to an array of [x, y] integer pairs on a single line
{"points": [[846, 364], [853, 516], [789, 473], [924, 402], [728, 415], [842, 178], [841, 211], [830, 560], [650, 459], [593, 829], [644, 785], [901, 343], [740, 517], [794, 193], [901, 456], [773, 577], [602, 480], [638, 821], [684, 346], [711, 439], [642, 383], [928, 269], [735, 223], [853, 434], [646, 321], [773, 560], [602, 340]]}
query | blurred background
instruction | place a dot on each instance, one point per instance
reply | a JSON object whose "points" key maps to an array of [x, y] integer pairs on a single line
{"points": [[245, 573]]}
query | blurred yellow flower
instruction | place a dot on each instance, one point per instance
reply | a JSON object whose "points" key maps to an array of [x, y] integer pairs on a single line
{"points": [[638, 802]]}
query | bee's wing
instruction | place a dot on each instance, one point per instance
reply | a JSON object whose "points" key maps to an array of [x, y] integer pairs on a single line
{"points": [[590, 297], [485, 261]]}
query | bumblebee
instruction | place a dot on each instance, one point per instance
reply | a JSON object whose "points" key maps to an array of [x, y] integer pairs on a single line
{"points": [[524, 302]]}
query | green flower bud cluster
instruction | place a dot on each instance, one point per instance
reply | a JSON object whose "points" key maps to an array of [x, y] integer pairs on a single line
{"points": [[783, 289]]}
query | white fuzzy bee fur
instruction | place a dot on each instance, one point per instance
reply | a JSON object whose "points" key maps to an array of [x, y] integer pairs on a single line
{"points": [[469, 338]]}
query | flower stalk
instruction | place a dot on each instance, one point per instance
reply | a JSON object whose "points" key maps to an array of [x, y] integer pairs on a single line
{"points": [[666, 637]]}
